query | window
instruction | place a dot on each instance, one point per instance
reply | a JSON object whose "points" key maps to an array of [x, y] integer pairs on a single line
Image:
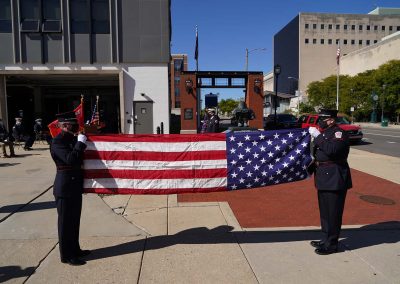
{"points": [[390, 28], [353, 42], [330, 41], [322, 41], [314, 26], [368, 27], [178, 64], [306, 26], [338, 27], [353, 27], [306, 41], [367, 42], [177, 92], [337, 41], [30, 15], [177, 104], [314, 41], [322, 26], [5, 16], [360, 27], [375, 41], [345, 27], [51, 16], [398, 28], [100, 17], [345, 41], [375, 28], [79, 10], [383, 28], [329, 26], [360, 41]]}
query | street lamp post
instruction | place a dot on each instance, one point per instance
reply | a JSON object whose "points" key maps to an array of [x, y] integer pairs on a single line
{"points": [[277, 71], [383, 100], [247, 55]]}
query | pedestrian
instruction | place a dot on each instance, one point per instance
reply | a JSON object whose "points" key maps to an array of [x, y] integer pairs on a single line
{"points": [[6, 141], [205, 120], [332, 178], [213, 122], [67, 152], [19, 134]]}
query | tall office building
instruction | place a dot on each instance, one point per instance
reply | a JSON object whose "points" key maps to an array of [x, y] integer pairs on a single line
{"points": [[178, 63], [52, 51], [306, 48]]}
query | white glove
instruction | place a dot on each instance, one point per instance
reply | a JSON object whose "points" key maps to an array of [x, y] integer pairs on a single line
{"points": [[82, 138], [314, 132]]}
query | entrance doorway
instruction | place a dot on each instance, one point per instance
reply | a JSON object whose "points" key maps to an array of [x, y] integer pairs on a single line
{"points": [[143, 117]]}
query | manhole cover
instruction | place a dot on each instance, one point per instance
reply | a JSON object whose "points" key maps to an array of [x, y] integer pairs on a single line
{"points": [[377, 199]]}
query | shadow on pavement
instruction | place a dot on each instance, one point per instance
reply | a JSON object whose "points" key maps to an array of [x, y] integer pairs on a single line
{"points": [[9, 164], [353, 238], [361, 143], [29, 207], [13, 271]]}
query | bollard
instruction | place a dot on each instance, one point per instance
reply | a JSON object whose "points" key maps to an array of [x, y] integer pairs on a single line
{"points": [[158, 130], [162, 127]]}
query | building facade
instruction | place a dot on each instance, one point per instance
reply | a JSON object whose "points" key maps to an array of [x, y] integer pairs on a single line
{"points": [[178, 63], [306, 48], [52, 51]]}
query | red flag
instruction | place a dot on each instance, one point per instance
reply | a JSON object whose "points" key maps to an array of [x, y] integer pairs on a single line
{"points": [[54, 129]]}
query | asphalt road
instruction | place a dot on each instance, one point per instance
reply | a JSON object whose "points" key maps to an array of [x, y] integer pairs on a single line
{"points": [[384, 141]]}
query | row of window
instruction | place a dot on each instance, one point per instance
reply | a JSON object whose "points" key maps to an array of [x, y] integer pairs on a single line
{"points": [[87, 16], [343, 41], [351, 27]]}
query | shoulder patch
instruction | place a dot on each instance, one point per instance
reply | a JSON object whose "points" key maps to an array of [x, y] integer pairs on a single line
{"points": [[338, 134]]}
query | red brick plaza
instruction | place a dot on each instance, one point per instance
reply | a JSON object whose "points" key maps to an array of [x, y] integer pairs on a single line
{"points": [[295, 204]]}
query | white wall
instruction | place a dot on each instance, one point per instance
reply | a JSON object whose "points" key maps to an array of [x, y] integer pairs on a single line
{"points": [[371, 57], [151, 80]]}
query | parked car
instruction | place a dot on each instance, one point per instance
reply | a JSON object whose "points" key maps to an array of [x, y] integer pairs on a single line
{"points": [[283, 120], [353, 131]]}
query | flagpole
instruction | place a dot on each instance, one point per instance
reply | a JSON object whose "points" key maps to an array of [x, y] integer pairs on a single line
{"points": [[196, 53], [337, 77], [97, 103]]}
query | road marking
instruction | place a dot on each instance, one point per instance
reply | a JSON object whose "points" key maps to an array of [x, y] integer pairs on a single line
{"points": [[391, 142], [381, 135]]}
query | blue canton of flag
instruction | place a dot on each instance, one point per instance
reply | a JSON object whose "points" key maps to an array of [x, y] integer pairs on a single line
{"points": [[257, 159]]}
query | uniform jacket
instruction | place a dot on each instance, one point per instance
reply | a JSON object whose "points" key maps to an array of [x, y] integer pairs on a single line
{"points": [[331, 151], [213, 124], [67, 154]]}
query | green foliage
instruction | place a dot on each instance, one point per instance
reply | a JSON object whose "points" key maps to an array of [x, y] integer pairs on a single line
{"points": [[227, 106], [357, 92], [306, 108]]}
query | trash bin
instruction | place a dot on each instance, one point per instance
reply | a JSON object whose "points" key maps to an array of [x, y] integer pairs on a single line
{"points": [[385, 122]]}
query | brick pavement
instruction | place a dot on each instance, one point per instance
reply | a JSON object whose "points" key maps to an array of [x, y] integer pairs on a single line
{"points": [[295, 204]]}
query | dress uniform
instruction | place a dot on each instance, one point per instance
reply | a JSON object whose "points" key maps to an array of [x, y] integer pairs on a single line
{"points": [[213, 122], [332, 178], [67, 153]]}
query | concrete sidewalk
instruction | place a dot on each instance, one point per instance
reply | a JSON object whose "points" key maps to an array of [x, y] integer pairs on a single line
{"points": [[156, 239]]}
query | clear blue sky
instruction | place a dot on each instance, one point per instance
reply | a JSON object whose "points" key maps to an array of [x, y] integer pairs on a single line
{"points": [[228, 27]]}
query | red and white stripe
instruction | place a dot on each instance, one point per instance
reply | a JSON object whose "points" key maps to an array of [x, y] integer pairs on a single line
{"points": [[155, 164]]}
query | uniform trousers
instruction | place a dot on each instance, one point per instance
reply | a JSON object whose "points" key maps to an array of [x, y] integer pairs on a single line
{"points": [[331, 205], [69, 216]]}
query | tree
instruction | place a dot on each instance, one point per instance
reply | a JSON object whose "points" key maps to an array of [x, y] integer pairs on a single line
{"points": [[227, 106]]}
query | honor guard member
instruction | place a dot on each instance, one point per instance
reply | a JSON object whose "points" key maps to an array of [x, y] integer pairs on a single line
{"points": [[67, 152], [332, 178], [213, 122]]}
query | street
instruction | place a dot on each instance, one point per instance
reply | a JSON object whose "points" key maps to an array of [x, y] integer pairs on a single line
{"points": [[385, 141]]}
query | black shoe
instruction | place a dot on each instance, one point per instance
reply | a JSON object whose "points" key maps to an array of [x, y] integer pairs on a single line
{"points": [[82, 253], [316, 244], [325, 251], [75, 261]]}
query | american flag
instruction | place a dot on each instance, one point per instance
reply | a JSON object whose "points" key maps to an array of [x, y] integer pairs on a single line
{"points": [[169, 164]]}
